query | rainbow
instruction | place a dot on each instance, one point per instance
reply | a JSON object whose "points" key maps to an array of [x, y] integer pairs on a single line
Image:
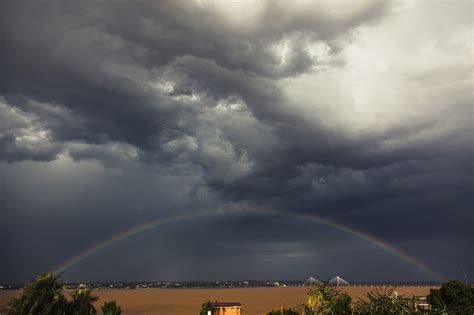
{"points": [[262, 211]]}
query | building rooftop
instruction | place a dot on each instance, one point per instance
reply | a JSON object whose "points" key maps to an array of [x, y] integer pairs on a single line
{"points": [[226, 304]]}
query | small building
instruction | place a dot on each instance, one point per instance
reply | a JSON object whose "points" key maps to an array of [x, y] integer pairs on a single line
{"points": [[421, 304], [225, 308]]}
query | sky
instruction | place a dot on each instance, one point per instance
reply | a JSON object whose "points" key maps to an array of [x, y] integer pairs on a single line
{"points": [[235, 123]]}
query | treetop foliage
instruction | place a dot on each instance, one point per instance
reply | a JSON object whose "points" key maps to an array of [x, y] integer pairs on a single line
{"points": [[454, 297], [43, 296]]}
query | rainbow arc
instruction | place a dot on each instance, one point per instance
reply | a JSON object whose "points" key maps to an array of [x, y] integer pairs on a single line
{"points": [[313, 218]]}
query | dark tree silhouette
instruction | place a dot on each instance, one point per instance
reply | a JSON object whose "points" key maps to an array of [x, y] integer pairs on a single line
{"points": [[111, 308], [42, 296]]}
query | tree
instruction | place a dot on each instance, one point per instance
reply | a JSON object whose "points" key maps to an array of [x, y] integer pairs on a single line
{"points": [[306, 309], [111, 308], [453, 297], [205, 307], [82, 302], [316, 296], [324, 299], [436, 300], [385, 301], [42, 296], [282, 311], [341, 304]]}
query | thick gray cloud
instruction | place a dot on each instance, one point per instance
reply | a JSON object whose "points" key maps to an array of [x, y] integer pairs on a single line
{"points": [[309, 107]]}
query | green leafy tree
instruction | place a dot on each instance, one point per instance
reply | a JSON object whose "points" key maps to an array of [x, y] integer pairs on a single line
{"points": [[316, 296], [42, 296], [82, 302], [454, 297], [324, 299], [283, 311], [111, 308], [436, 300], [205, 307], [385, 301], [306, 309], [341, 304]]}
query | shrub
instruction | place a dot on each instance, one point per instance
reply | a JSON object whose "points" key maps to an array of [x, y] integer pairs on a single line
{"points": [[324, 299], [205, 307], [82, 302], [282, 311], [111, 308], [306, 310], [453, 297], [385, 301]]}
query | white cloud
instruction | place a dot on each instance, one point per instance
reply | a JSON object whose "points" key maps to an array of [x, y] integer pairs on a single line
{"points": [[403, 71]]}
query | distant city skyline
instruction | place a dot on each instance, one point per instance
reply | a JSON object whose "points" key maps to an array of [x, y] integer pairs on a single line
{"points": [[237, 140]]}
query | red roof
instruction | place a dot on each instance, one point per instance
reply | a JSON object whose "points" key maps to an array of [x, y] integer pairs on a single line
{"points": [[226, 304]]}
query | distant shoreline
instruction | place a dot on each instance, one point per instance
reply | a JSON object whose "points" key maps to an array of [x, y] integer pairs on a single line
{"points": [[214, 284]]}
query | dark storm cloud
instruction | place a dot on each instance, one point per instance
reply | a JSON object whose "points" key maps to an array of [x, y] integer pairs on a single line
{"points": [[96, 61], [88, 68], [205, 92], [16, 142]]}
